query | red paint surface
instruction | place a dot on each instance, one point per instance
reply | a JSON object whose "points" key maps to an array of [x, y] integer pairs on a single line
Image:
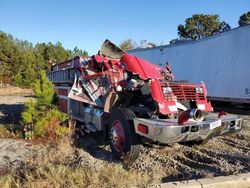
{"points": [[117, 126], [63, 92], [63, 105], [156, 92], [156, 75], [139, 66], [184, 117]]}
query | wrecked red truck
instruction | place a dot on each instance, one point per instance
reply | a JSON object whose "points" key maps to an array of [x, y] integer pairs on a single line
{"points": [[133, 101]]}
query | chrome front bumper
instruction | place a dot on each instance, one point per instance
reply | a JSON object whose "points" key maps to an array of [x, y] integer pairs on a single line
{"points": [[169, 131]]}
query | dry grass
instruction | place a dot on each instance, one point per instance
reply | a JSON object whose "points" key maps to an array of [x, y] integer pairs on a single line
{"points": [[63, 176], [57, 166], [7, 181], [4, 132]]}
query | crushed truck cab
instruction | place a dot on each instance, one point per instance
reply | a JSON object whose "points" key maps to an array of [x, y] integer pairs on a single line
{"points": [[129, 99]]}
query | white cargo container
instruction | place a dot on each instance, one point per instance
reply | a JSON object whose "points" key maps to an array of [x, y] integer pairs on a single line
{"points": [[222, 61]]}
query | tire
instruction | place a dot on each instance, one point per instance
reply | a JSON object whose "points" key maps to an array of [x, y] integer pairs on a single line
{"points": [[123, 141]]}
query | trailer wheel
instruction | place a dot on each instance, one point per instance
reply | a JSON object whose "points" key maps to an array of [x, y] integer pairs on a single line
{"points": [[124, 142]]}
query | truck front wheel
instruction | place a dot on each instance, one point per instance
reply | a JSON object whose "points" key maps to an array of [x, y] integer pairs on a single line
{"points": [[124, 142]]}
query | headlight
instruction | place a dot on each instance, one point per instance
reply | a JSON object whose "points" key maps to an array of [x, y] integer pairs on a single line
{"points": [[199, 90], [167, 90]]}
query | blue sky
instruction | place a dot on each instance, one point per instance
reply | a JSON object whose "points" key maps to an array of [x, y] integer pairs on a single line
{"points": [[88, 23]]}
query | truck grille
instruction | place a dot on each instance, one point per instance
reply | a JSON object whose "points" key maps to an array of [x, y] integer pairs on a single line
{"points": [[183, 91]]}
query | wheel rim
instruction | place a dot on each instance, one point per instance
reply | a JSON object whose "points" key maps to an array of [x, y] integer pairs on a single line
{"points": [[117, 135]]}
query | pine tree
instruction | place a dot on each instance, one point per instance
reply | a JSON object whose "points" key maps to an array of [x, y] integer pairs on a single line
{"points": [[42, 113], [44, 90]]}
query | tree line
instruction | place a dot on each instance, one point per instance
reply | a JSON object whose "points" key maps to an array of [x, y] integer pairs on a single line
{"points": [[21, 61]]}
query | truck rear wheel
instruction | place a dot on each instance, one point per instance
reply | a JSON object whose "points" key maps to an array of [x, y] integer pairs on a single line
{"points": [[124, 142]]}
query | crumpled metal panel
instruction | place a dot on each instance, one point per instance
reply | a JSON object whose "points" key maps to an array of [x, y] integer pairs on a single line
{"points": [[139, 66]]}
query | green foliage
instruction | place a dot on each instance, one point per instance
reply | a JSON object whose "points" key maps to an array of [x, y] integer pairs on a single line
{"points": [[201, 25], [129, 44], [49, 123], [244, 19], [30, 112], [44, 90], [78, 52], [55, 113], [42, 113], [151, 44], [50, 119], [40, 127], [173, 41], [21, 61], [18, 79], [146, 44], [61, 131]]}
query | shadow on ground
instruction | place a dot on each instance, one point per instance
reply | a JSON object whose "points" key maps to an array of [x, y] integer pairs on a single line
{"points": [[95, 144], [10, 113], [233, 108]]}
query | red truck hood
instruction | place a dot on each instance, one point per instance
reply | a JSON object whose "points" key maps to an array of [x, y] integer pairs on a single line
{"points": [[139, 66]]}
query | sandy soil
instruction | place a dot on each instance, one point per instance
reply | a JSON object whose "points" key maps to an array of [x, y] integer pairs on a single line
{"points": [[14, 153], [223, 155]]}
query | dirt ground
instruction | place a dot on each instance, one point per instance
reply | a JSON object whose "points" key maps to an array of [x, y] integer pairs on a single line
{"points": [[224, 155]]}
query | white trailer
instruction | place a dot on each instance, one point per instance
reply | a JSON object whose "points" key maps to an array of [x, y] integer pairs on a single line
{"points": [[222, 61]]}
